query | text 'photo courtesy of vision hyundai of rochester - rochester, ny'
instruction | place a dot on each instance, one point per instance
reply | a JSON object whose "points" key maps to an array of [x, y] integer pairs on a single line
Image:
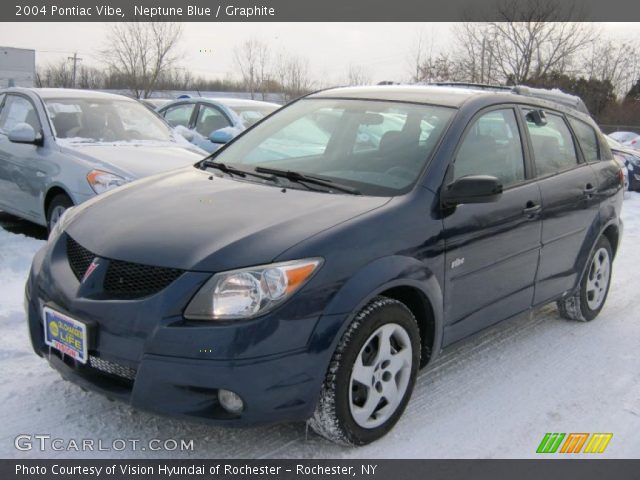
{"points": [[307, 269]]}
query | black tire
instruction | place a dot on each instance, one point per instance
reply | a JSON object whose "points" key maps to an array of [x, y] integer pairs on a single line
{"points": [[332, 418], [576, 306], [60, 201]]}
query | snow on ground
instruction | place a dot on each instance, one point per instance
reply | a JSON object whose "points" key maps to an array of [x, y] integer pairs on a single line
{"points": [[491, 396]]}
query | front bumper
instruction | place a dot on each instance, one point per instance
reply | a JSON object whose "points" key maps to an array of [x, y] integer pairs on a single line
{"points": [[145, 354]]}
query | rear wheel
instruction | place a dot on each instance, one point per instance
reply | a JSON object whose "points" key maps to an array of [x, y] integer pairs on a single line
{"points": [[371, 375], [57, 207], [586, 304]]}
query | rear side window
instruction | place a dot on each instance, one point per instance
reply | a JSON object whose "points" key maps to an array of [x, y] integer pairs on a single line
{"points": [[18, 110], [2, 95], [553, 146], [588, 140], [493, 147]]}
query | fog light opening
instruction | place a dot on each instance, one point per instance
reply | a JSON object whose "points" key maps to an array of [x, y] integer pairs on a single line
{"points": [[230, 401]]}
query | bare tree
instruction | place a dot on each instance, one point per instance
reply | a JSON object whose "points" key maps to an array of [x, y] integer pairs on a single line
{"points": [[292, 73], [530, 41], [252, 59], [57, 75], [427, 66], [473, 54], [358, 75], [90, 77], [417, 58], [141, 53], [614, 61]]}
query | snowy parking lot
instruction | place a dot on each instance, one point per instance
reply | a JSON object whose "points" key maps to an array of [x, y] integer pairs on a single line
{"points": [[492, 396]]}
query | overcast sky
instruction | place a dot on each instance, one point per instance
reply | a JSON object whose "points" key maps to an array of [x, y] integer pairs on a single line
{"points": [[382, 48]]}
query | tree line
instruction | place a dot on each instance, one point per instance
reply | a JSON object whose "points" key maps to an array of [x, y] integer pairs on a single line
{"points": [[573, 56]]}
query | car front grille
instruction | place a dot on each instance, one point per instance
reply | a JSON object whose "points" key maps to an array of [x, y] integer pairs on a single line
{"points": [[79, 257], [123, 280], [112, 368], [134, 280]]}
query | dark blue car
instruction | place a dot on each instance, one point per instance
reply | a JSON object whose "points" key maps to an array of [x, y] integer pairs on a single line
{"points": [[310, 267]]}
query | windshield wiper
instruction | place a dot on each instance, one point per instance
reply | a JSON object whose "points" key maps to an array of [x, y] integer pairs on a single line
{"points": [[223, 167], [302, 177]]}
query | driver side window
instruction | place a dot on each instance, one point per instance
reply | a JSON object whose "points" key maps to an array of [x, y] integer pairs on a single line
{"points": [[180, 115], [492, 146], [18, 110]]}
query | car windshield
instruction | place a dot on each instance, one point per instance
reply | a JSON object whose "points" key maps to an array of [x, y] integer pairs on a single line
{"points": [[376, 147], [251, 114], [96, 120]]}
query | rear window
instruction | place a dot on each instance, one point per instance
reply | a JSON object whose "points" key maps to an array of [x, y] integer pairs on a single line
{"points": [[588, 140]]}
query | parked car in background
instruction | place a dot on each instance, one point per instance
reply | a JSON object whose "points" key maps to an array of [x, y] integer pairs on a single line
{"points": [[622, 136], [630, 139], [630, 160], [60, 147], [307, 270], [209, 123]]}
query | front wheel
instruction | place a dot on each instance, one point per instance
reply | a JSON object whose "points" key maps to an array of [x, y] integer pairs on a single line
{"points": [[371, 375], [586, 304], [59, 204]]}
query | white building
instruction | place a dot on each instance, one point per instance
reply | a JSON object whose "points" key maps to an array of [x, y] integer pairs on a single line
{"points": [[17, 67]]}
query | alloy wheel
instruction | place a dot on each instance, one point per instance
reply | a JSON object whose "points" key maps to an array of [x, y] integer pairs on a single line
{"points": [[380, 376], [598, 278]]}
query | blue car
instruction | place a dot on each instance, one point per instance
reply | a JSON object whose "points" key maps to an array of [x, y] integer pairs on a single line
{"points": [[310, 267], [209, 123]]}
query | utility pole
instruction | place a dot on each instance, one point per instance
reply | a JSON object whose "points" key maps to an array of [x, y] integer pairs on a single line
{"points": [[75, 59], [484, 41]]}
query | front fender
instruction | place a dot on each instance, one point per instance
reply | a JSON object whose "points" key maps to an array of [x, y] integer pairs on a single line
{"points": [[373, 279]]}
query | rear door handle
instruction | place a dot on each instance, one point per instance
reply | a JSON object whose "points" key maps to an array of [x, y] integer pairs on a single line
{"points": [[531, 210]]}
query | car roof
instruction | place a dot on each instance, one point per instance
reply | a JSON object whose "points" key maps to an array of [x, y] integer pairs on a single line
{"points": [[455, 95], [428, 94], [48, 93]]}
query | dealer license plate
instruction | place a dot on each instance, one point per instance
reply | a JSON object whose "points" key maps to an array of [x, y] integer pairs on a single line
{"points": [[65, 334]]}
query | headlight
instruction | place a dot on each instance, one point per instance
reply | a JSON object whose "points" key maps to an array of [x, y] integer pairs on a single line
{"points": [[102, 181], [250, 292]]}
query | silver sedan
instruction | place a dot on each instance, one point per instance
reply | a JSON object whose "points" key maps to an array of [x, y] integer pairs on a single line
{"points": [[60, 147]]}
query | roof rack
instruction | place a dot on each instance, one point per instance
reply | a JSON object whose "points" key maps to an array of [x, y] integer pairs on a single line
{"points": [[479, 86], [554, 95]]}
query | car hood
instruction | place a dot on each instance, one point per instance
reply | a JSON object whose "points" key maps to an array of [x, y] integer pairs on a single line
{"points": [[134, 160], [193, 220]]}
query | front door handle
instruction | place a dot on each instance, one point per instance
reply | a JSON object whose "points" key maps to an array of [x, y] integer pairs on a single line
{"points": [[589, 190], [531, 210]]}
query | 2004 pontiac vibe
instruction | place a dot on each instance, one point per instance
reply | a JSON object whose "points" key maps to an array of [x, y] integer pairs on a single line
{"points": [[309, 268]]}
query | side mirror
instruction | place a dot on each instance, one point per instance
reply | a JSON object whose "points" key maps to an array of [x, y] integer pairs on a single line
{"points": [[221, 136], [24, 133], [538, 117], [472, 189]]}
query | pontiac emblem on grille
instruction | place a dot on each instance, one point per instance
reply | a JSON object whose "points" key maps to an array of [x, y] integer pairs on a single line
{"points": [[90, 269]]}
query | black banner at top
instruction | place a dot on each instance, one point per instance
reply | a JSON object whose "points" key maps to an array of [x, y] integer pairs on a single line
{"points": [[316, 10]]}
